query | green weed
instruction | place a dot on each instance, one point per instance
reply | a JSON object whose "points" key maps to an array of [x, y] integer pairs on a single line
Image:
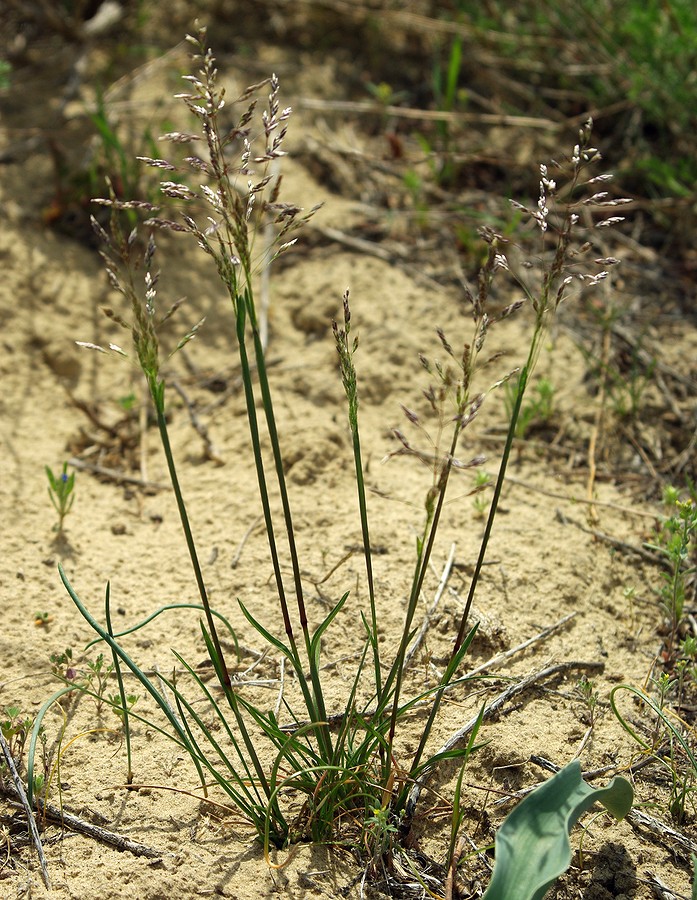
{"points": [[586, 691], [5, 71], [537, 409], [676, 542], [15, 729], [60, 492], [640, 64], [669, 743]]}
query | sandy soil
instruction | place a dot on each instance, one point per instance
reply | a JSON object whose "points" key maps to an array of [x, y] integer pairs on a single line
{"points": [[545, 564]]}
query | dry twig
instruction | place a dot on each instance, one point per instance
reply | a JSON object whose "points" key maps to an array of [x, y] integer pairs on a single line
{"points": [[18, 792], [495, 706], [115, 475], [73, 823], [431, 612]]}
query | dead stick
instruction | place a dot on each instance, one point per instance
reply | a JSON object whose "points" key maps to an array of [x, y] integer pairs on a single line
{"points": [[22, 797], [495, 706], [58, 817], [431, 612], [245, 538], [367, 107], [655, 558], [660, 889], [338, 718], [637, 817], [202, 431], [115, 475], [671, 838], [551, 767], [558, 496]]}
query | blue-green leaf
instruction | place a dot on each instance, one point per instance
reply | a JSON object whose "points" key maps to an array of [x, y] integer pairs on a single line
{"points": [[532, 845]]}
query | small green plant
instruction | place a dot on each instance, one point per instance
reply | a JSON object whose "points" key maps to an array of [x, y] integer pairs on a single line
{"points": [[643, 59], [448, 96], [669, 744], [62, 665], [626, 391], [97, 677], [5, 70], [586, 691], [15, 729], [622, 377], [537, 409], [480, 502], [380, 834], [676, 542], [60, 492], [93, 678], [128, 402]]}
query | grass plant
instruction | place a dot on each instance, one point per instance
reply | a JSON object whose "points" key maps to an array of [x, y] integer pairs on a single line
{"points": [[639, 64], [313, 775]]}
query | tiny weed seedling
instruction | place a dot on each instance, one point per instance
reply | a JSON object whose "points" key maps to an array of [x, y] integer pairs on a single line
{"points": [[448, 97], [587, 693], [60, 492], [676, 542], [62, 665], [94, 677], [97, 678], [480, 501], [15, 729], [42, 619], [537, 409], [5, 70], [670, 742]]}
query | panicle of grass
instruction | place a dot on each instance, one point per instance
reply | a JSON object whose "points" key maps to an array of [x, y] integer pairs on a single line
{"points": [[559, 221]]}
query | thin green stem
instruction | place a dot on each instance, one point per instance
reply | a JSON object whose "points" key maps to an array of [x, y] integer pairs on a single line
{"points": [[346, 349], [368, 557], [522, 382], [122, 692], [423, 557], [510, 436], [261, 473], [314, 699], [157, 392], [278, 462]]}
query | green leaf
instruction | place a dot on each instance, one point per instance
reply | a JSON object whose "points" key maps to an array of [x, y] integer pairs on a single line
{"points": [[532, 845]]}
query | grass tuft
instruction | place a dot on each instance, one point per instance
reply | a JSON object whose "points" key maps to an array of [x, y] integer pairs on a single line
{"points": [[306, 771]]}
